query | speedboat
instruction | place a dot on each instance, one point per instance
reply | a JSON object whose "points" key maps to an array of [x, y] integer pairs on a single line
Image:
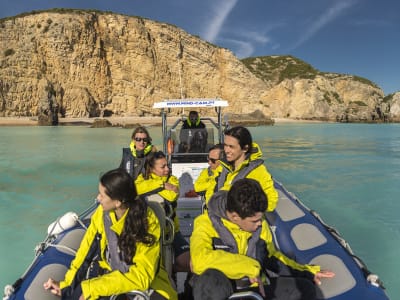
{"points": [[299, 232]]}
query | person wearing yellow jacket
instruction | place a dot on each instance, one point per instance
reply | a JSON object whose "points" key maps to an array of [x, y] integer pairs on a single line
{"points": [[243, 160], [232, 250], [206, 181], [157, 180], [124, 236]]}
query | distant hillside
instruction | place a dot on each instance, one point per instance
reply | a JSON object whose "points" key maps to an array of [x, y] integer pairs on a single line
{"points": [[76, 63]]}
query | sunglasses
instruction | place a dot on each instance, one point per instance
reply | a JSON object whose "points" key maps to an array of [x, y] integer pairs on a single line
{"points": [[213, 160], [146, 140]]}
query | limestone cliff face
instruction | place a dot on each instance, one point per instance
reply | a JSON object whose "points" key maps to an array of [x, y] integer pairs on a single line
{"points": [[90, 64], [299, 91], [392, 105]]}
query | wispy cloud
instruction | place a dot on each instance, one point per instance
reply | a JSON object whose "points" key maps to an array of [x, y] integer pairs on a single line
{"points": [[240, 48], [245, 42], [220, 13], [328, 16]]}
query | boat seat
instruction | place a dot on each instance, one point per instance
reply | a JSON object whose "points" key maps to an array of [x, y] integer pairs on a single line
{"points": [[36, 291], [156, 203], [338, 285], [71, 240], [286, 209], [307, 236]]}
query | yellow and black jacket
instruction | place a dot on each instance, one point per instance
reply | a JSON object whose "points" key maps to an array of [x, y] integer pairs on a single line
{"points": [[145, 271], [222, 245], [206, 182], [252, 167], [155, 185]]}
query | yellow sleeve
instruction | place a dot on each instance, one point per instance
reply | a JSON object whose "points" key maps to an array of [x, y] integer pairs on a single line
{"points": [[273, 252], [171, 196], [203, 256], [86, 243], [262, 175], [202, 182], [144, 186]]}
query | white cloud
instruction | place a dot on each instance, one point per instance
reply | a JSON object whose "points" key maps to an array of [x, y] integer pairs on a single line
{"points": [[241, 48], [328, 16], [221, 12]]}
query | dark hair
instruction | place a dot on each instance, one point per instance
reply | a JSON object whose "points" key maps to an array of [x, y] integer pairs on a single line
{"points": [[141, 129], [193, 113], [242, 134], [246, 198], [119, 185], [219, 147], [151, 159]]}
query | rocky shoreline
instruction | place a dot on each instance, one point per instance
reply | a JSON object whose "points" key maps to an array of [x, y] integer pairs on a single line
{"points": [[134, 121]]}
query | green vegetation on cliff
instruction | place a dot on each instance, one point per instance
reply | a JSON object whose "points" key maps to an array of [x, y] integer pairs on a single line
{"points": [[278, 68]]}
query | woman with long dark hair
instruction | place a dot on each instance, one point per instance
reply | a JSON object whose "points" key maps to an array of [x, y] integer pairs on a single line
{"points": [[124, 235]]}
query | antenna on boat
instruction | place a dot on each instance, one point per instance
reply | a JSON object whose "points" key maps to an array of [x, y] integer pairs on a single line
{"points": [[179, 57]]}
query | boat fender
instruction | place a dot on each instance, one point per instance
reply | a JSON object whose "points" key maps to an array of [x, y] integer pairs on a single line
{"points": [[374, 280], [68, 220], [8, 291], [170, 146]]}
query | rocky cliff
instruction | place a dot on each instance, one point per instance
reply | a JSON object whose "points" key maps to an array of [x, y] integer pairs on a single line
{"points": [[89, 64]]}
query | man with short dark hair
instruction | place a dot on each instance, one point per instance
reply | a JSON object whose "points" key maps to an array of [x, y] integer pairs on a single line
{"points": [[232, 249]]}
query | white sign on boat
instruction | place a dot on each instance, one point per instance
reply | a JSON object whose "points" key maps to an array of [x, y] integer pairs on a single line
{"points": [[191, 102]]}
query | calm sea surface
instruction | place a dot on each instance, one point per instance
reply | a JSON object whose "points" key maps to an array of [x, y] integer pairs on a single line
{"points": [[349, 174]]}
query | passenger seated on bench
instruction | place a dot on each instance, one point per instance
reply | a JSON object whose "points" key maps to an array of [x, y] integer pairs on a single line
{"points": [[232, 249], [126, 234], [205, 183], [134, 157], [198, 143], [189, 126], [158, 180]]}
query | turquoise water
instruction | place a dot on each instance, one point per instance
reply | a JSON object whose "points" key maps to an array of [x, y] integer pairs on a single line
{"points": [[348, 173]]}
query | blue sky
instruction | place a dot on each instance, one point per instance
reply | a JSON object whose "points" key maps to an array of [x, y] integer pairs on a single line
{"points": [[358, 37]]}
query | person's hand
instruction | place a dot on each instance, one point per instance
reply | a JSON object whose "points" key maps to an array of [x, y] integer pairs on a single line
{"points": [[53, 286], [171, 187], [260, 285], [322, 274]]}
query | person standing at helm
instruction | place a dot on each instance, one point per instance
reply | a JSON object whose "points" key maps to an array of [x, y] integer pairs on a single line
{"points": [[133, 158], [243, 160], [193, 121]]}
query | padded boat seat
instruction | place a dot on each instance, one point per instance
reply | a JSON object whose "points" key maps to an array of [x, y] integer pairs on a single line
{"points": [[307, 236], [286, 209], [338, 285], [71, 240], [36, 291]]}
